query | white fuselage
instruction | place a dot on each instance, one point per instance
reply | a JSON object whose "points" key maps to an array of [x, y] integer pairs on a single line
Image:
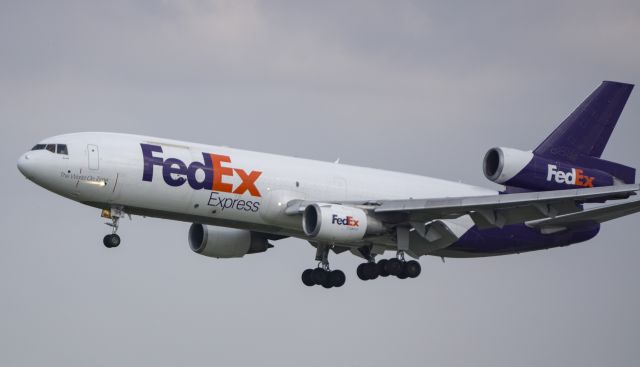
{"points": [[241, 189]]}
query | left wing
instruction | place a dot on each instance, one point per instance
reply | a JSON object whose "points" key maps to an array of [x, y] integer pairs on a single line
{"points": [[423, 226], [600, 214], [499, 210]]}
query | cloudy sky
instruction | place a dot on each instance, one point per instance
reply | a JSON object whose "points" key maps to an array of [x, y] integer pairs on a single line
{"points": [[418, 87]]}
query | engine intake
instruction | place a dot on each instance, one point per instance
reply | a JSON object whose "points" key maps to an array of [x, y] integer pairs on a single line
{"points": [[502, 164], [222, 242], [338, 223]]}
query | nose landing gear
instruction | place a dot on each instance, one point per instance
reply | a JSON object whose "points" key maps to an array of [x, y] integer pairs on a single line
{"points": [[114, 214], [111, 240]]}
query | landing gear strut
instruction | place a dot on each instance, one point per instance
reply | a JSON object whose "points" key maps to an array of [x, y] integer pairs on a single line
{"points": [[112, 240], [395, 266], [323, 275]]}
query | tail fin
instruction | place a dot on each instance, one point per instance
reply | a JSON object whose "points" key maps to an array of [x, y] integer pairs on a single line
{"points": [[582, 137]]}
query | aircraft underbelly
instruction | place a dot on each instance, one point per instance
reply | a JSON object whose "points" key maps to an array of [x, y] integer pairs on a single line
{"points": [[514, 239]]}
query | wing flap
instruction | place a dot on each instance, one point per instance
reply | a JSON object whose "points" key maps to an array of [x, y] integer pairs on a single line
{"points": [[600, 214], [499, 210]]}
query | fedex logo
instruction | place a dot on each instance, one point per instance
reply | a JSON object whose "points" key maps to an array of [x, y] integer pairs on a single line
{"points": [[348, 221], [214, 170], [574, 177]]}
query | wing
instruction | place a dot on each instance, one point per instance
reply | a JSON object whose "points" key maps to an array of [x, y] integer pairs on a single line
{"points": [[423, 226], [600, 214], [500, 210]]}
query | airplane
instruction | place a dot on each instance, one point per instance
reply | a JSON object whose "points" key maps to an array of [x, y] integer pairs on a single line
{"points": [[238, 202]]}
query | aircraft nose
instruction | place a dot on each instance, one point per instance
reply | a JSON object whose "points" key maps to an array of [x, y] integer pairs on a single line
{"points": [[24, 164]]}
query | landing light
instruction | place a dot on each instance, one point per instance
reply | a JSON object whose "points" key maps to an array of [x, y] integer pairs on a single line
{"points": [[97, 183]]}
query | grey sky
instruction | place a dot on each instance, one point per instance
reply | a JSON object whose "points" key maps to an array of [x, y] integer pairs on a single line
{"points": [[418, 87]]}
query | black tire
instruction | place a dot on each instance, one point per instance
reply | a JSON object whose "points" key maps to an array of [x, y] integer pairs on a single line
{"points": [[381, 268], [326, 282], [337, 278], [307, 278], [403, 273], [106, 241], [319, 276], [412, 268], [393, 267], [111, 240], [361, 272], [115, 240], [371, 270]]}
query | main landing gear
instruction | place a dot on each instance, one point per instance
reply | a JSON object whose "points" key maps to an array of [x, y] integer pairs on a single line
{"points": [[112, 240], [395, 266], [323, 275]]}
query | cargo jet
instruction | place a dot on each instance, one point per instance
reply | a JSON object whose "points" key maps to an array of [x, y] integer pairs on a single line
{"points": [[239, 202]]}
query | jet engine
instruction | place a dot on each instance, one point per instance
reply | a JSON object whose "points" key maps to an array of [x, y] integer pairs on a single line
{"points": [[339, 223], [502, 164], [222, 242], [529, 171]]}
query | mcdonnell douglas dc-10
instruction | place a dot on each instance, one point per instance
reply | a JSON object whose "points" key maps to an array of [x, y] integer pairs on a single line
{"points": [[240, 201]]}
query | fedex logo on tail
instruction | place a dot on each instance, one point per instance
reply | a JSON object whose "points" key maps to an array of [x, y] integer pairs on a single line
{"points": [[215, 170], [573, 177], [348, 221]]}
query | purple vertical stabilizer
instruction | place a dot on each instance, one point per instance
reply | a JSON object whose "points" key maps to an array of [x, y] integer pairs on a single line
{"points": [[570, 156], [587, 130]]}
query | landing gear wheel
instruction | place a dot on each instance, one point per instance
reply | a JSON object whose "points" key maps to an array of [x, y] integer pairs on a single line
{"points": [[307, 278], [319, 276], [412, 269], [393, 267], [361, 272], [111, 240], [371, 270], [326, 283], [337, 278], [323, 275], [403, 273], [381, 268]]}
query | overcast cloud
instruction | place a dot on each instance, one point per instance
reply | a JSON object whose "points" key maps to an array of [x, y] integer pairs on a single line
{"points": [[418, 87]]}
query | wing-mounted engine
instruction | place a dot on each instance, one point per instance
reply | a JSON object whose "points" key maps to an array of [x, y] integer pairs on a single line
{"points": [[339, 223], [222, 242], [526, 170]]}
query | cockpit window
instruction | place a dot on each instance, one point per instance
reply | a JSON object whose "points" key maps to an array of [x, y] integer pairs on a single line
{"points": [[53, 148], [62, 149]]}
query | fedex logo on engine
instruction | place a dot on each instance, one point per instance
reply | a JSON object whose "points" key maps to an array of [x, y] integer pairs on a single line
{"points": [[214, 171], [348, 221], [573, 177]]}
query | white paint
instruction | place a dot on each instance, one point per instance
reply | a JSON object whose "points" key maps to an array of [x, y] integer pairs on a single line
{"points": [[121, 171]]}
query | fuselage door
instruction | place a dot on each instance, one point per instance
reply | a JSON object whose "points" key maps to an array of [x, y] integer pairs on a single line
{"points": [[94, 157]]}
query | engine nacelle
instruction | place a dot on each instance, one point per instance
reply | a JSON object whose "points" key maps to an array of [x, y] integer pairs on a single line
{"points": [[502, 164], [529, 171], [222, 242], [338, 223]]}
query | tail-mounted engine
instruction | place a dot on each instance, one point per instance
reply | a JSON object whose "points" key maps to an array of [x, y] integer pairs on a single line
{"points": [[526, 170]]}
